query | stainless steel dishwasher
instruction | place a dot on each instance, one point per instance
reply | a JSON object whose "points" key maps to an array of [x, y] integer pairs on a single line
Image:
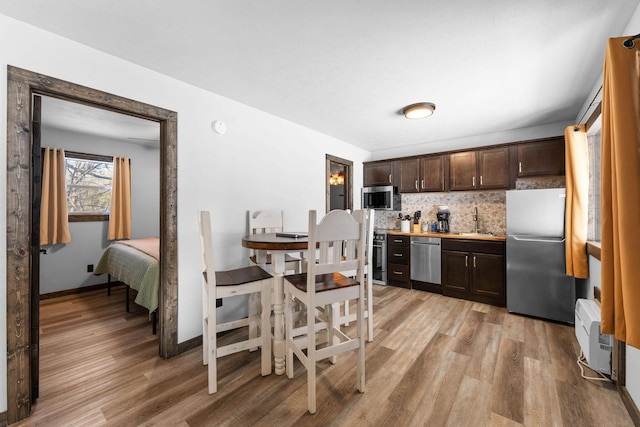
{"points": [[425, 259]]}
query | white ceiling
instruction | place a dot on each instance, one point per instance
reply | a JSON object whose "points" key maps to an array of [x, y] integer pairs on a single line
{"points": [[346, 68], [74, 117]]}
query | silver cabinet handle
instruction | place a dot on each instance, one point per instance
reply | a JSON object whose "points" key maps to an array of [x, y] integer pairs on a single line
{"points": [[474, 261], [399, 273], [391, 178], [417, 185], [519, 167], [397, 255], [474, 181], [397, 240], [422, 184], [466, 260], [480, 180]]}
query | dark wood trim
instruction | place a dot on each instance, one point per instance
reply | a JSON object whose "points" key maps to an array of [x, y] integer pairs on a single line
{"points": [[87, 156], [594, 116], [633, 410], [87, 217], [593, 249], [348, 193], [81, 290], [190, 344], [21, 85]]}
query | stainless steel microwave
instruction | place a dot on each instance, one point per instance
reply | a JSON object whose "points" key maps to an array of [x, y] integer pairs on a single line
{"points": [[382, 198]]}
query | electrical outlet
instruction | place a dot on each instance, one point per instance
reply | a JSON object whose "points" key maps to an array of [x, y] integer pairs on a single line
{"points": [[89, 268]]}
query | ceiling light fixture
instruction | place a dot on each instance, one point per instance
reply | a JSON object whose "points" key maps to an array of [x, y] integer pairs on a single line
{"points": [[419, 110]]}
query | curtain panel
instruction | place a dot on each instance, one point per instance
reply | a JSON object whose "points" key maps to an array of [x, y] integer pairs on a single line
{"points": [[577, 204], [620, 192], [54, 220], [120, 211]]}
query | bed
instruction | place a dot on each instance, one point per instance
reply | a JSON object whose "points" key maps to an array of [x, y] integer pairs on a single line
{"points": [[136, 264]]}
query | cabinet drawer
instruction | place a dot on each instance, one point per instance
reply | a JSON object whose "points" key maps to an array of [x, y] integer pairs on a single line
{"points": [[398, 255], [398, 273], [397, 240]]}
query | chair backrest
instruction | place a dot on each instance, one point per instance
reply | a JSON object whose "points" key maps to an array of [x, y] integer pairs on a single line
{"points": [[266, 222], [206, 246], [368, 216], [337, 229]]}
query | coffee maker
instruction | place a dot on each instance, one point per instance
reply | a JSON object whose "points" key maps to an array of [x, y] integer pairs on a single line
{"points": [[443, 219]]}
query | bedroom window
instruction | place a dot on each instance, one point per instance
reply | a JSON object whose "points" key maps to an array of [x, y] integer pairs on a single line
{"points": [[88, 179]]}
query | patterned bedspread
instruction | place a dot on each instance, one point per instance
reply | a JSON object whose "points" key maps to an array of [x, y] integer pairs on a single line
{"points": [[134, 267]]}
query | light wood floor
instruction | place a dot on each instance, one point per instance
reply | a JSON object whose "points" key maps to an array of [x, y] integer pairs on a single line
{"points": [[435, 361]]}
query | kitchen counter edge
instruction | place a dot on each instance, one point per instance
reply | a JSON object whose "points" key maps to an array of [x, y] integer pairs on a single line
{"points": [[449, 236]]}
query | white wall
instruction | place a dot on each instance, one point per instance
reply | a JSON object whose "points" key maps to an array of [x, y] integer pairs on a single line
{"points": [[633, 354], [65, 266], [262, 162]]}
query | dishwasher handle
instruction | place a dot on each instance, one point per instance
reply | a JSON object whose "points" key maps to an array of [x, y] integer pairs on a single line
{"points": [[426, 243]]}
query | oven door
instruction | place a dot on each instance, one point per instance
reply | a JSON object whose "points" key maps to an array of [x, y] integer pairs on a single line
{"points": [[379, 264]]}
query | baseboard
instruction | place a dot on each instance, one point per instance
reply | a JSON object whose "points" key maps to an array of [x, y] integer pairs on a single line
{"points": [[190, 344], [634, 413], [79, 290]]}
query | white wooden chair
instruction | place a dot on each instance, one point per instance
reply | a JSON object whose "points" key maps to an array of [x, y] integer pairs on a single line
{"points": [[223, 284], [345, 316], [271, 222], [323, 285]]}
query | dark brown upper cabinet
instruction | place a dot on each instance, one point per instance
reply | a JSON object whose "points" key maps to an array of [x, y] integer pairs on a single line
{"points": [[378, 173], [479, 170], [541, 158], [432, 169], [420, 174], [408, 172]]}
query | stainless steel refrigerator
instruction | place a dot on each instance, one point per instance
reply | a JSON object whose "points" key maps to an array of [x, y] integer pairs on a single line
{"points": [[536, 281]]}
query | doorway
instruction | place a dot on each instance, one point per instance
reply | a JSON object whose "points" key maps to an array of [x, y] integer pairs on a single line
{"points": [[21, 86], [339, 182]]}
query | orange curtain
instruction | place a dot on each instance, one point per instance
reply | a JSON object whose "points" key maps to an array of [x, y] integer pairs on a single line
{"points": [[120, 212], [576, 212], [620, 200], [54, 222]]}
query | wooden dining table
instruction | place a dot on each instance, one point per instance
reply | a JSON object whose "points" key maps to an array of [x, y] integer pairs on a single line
{"points": [[278, 246]]}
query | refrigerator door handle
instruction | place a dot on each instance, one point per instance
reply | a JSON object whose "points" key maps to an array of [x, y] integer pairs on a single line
{"points": [[539, 239]]}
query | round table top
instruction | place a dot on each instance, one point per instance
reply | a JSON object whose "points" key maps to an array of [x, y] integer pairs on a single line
{"points": [[271, 242]]}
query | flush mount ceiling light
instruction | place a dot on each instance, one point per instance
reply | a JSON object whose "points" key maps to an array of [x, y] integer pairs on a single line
{"points": [[419, 110]]}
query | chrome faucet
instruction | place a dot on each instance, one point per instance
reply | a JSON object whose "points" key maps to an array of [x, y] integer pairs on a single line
{"points": [[475, 219]]}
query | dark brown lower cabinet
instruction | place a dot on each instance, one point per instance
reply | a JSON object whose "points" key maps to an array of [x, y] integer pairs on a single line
{"points": [[399, 261], [474, 270]]}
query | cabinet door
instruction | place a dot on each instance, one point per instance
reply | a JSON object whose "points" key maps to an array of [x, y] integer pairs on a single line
{"points": [[407, 172], [455, 272], [541, 158], [462, 171], [493, 168], [432, 173], [487, 273], [378, 174]]}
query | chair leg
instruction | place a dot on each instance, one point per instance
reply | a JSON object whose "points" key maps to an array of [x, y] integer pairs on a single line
{"points": [[369, 286], [361, 356], [253, 311], [333, 321], [311, 360], [288, 333], [212, 355], [265, 333]]}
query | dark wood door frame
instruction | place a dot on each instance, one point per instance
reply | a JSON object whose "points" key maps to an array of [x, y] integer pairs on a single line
{"points": [[348, 180], [21, 86]]}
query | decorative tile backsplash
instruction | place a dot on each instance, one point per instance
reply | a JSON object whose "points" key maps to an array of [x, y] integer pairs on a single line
{"points": [[491, 207]]}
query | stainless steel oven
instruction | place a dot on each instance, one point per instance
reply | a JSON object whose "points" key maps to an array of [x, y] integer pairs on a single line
{"points": [[379, 258]]}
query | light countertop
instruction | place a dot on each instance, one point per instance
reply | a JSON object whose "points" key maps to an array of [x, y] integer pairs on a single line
{"points": [[453, 235]]}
